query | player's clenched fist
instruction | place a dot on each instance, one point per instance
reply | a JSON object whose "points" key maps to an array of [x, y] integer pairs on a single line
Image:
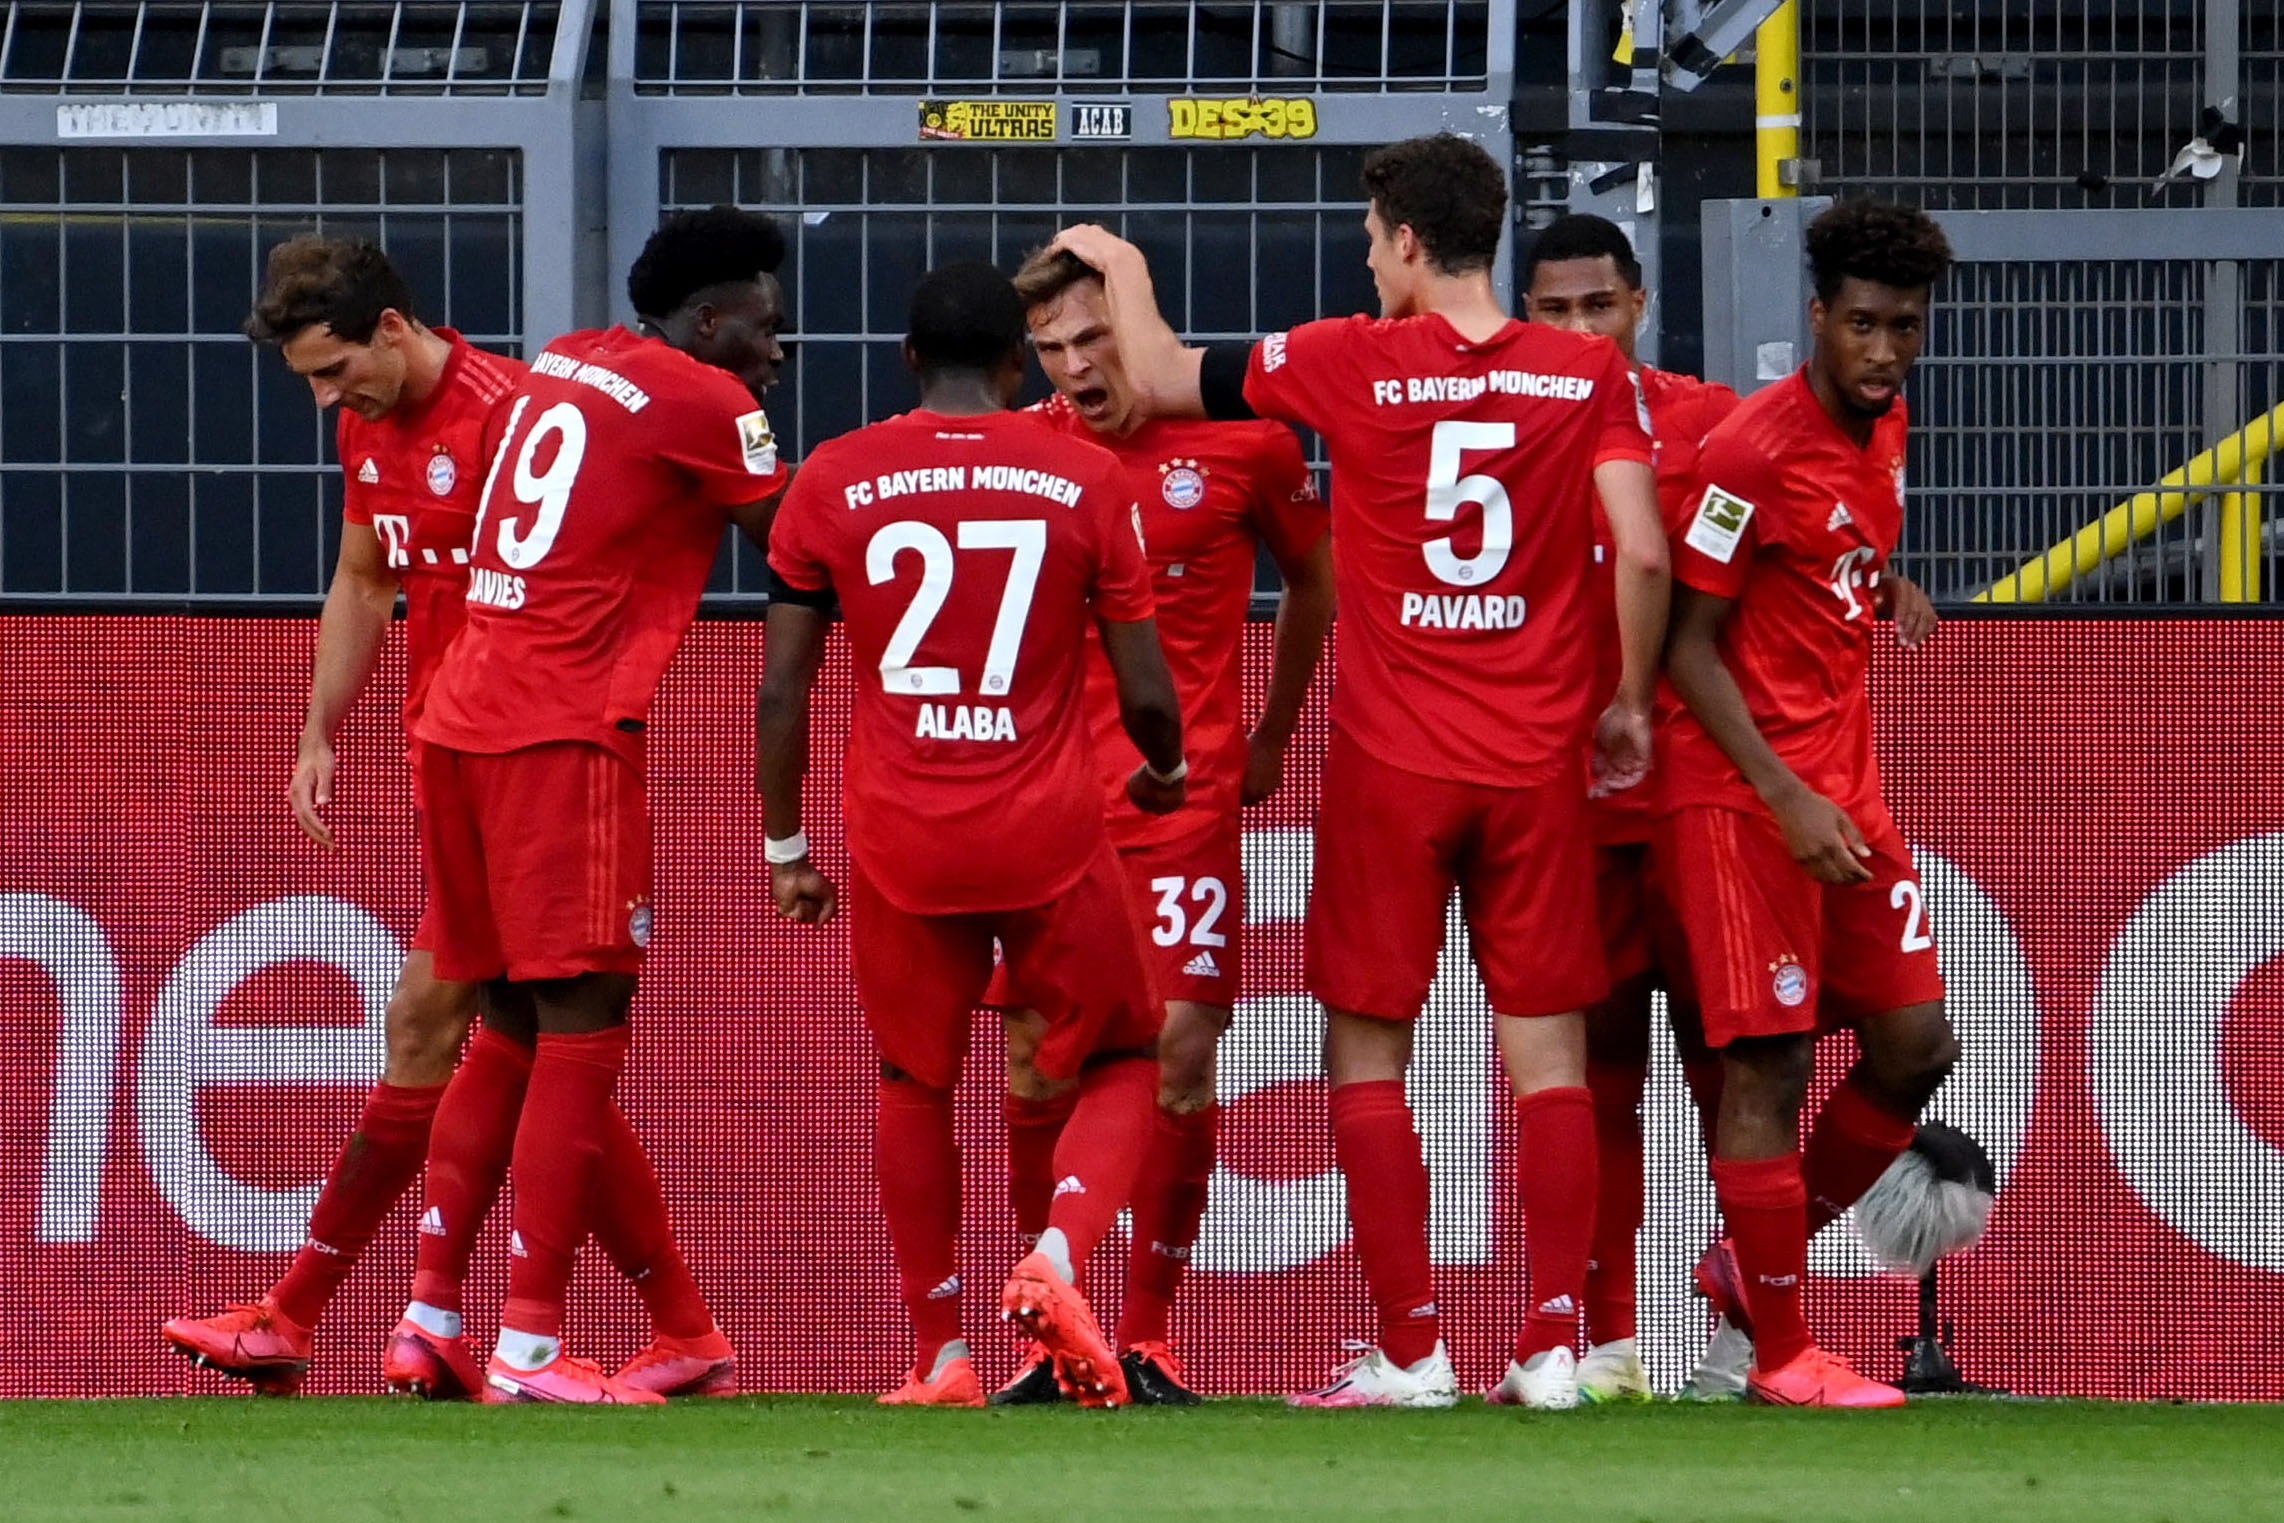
{"points": [[1822, 838], [312, 789], [1621, 749], [1153, 794], [803, 894]]}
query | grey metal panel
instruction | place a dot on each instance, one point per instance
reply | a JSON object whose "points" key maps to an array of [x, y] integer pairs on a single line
{"points": [[1756, 289], [2186, 232]]}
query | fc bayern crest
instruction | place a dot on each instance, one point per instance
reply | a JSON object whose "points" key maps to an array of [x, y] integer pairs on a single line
{"points": [[1790, 984], [1181, 483], [443, 474], [638, 924]]}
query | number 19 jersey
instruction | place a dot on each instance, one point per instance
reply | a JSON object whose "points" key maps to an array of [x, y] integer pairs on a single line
{"points": [[1462, 531], [970, 555]]}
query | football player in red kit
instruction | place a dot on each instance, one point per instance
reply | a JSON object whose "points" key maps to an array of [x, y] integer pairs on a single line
{"points": [[1468, 450], [971, 551], [622, 457], [1802, 909], [1212, 495]]}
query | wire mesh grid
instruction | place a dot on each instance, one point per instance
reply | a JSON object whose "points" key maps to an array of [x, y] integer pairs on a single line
{"points": [[414, 47], [146, 447], [689, 47]]}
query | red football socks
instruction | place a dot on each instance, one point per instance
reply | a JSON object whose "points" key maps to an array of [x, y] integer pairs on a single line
{"points": [[1379, 1150], [918, 1162], [468, 1152], [377, 1165], [1101, 1151], [1555, 1159], [1611, 1268], [1033, 1129], [1851, 1146], [558, 1144], [633, 1226], [1765, 1205], [1169, 1203]]}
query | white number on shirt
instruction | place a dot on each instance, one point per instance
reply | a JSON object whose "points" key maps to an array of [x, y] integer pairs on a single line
{"points": [[1174, 922], [548, 490], [1027, 537], [1448, 492], [1905, 897]]}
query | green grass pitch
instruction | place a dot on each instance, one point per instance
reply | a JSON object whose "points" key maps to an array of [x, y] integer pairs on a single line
{"points": [[844, 1459]]}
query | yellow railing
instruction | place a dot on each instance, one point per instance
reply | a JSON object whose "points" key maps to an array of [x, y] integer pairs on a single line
{"points": [[1776, 99], [2236, 461]]}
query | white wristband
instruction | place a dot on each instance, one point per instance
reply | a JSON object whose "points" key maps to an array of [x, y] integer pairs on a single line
{"points": [[1181, 770], [786, 852]]}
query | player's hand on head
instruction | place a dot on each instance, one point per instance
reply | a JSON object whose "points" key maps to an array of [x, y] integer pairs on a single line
{"points": [[312, 789], [1911, 608], [1153, 796], [1264, 769], [804, 895], [1098, 248], [1621, 749], [1822, 838]]}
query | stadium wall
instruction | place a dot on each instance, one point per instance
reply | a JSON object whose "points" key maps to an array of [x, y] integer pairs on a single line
{"points": [[191, 1000]]}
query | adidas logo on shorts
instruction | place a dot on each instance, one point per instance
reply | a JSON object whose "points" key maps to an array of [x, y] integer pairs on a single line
{"points": [[1069, 1185], [1202, 966], [948, 1291], [432, 1222]]}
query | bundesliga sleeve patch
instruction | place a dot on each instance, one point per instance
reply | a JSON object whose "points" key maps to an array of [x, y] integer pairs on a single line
{"points": [[758, 444], [1719, 525]]}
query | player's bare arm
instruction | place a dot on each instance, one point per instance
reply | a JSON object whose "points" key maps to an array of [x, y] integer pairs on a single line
{"points": [[1304, 616], [793, 649], [1162, 370], [1628, 489], [1817, 831], [350, 633], [1150, 712], [1908, 604], [753, 518]]}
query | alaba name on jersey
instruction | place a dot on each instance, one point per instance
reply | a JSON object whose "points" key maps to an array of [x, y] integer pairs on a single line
{"points": [[1462, 531], [1209, 493], [602, 513], [1683, 410], [970, 556], [1795, 523], [416, 477]]}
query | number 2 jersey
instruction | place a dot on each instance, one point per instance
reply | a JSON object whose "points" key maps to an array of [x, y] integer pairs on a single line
{"points": [[416, 479], [602, 514], [1462, 532], [1795, 523], [971, 556]]}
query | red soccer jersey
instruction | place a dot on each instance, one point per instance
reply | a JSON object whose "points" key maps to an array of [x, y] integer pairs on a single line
{"points": [[602, 514], [1210, 495], [416, 478], [1462, 531], [1683, 410], [970, 556], [1796, 524]]}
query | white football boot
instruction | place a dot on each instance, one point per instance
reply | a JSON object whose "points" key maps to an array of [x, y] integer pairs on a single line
{"points": [[1720, 1373], [1613, 1371], [1548, 1382], [1372, 1379]]}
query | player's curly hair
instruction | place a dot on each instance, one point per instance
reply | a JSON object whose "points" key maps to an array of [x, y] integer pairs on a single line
{"points": [[965, 316], [695, 250], [1448, 191], [343, 283], [1883, 241], [1582, 235]]}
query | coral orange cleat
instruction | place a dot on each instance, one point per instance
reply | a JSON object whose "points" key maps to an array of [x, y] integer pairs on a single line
{"points": [[256, 1344], [1722, 1280], [429, 1365], [1051, 1310], [952, 1383], [1819, 1379], [562, 1378], [677, 1367]]}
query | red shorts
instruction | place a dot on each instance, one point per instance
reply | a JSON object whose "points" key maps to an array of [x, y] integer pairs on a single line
{"points": [[538, 861], [1777, 953], [1078, 961], [1189, 903], [1390, 847], [1640, 934]]}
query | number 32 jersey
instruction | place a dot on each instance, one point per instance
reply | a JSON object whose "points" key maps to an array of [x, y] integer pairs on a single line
{"points": [[602, 515], [970, 555], [1462, 532]]}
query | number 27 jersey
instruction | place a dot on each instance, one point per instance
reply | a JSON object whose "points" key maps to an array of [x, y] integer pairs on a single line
{"points": [[969, 554]]}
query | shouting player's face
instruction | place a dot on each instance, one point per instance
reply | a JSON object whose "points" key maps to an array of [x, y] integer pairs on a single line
{"points": [[1586, 296], [1867, 339], [366, 378], [1079, 353], [738, 333]]}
